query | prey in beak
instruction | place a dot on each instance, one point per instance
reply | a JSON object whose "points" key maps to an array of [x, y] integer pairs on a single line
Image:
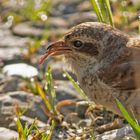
{"points": [[56, 48]]}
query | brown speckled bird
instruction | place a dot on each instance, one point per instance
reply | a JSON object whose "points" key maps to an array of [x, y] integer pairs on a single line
{"points": [[106, 63]]}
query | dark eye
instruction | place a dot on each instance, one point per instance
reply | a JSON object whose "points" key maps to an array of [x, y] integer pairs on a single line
{"points": [[77, 44]]}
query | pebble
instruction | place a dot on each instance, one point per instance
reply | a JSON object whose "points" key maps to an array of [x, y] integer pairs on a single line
{"points": [[7, 134], [20, 69]]}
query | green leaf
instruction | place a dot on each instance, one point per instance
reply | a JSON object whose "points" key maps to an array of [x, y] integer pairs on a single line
{"points": [[50, 89], [20, 129], [109, 12], [80, 91], [103, 11], [134, 125], [42, 94], [97, 10]]}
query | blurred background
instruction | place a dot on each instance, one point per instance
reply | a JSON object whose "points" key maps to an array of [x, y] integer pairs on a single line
{"points": [[26, 28]]}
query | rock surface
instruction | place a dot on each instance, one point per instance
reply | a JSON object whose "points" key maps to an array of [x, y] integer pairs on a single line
{"points": [[65, 90], [58, 70], [20, 69], [19, 99], [28, 29], [118, 134], [11, 47], [8, 83], [7, 134]]}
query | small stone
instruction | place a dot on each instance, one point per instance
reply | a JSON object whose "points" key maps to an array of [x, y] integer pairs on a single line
{"points": [[25, 101], [11, 53], [9, 83], [29, 121], [13, 41], [117, 134], [72, 118], [85, 123], [81, 108], [57, 70], [29, 29], [79, 131], [26, 29], [65, 90], [7, 134], [77, 18], [20, 69]]}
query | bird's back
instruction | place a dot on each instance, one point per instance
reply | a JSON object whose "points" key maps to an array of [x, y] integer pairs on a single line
{"points": [[124, 76]]}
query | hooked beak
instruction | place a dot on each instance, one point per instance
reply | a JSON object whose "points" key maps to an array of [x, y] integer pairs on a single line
{"points": [[56, 48]]}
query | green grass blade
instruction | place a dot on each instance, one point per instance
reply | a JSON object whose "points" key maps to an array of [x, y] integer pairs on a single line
{"points": [[109, 12], [80, 91], [20, 129], [103, 11], [97, 10], [43, 96], [31, 127], [48, 137], [50, 89], [139, 24], [92, 135], [134, 125]]}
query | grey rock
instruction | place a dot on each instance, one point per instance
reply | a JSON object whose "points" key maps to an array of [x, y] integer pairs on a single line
{"points": [[72, 118], [20, 69], [12, 41], [118, 134], [8, 83], [7, 134], [7, 39], [81, 108], [65, 90], [61, 23], [61, 7], [11, 53], [77, 18], [11, 46], [26, 29], [31, 30], [85, 123], [85, 6], [32, 104], [26, 101], [51, 23], [57, 70], [29, 121]]}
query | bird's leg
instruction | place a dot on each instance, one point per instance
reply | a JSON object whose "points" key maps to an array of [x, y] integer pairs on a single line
{"points": [[104, 120]]}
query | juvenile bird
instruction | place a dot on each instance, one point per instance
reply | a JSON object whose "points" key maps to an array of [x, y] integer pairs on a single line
{"points": [[106, 62]]}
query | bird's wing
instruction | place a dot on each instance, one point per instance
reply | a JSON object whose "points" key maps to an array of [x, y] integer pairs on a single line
{"points": [[125, 74]]}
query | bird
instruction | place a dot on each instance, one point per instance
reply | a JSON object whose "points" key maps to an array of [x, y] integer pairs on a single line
{"points": [[106, 62]]}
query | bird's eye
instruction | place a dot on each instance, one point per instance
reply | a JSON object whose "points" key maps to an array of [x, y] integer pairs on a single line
{"points": [[77, 44]]}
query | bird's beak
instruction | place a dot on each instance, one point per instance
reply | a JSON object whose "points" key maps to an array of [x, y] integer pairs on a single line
{"points": [[56, 48]]}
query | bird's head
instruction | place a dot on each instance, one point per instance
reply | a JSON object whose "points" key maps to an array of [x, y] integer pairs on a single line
{"points": [[86, 44]]}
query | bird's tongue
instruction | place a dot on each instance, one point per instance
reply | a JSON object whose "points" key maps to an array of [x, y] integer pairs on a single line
{"points": [[42, 59], [53, 53], [49, 53]]}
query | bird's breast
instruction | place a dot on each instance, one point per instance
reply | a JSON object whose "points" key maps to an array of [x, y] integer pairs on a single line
{"points": [[99, 92], [95, 89]]}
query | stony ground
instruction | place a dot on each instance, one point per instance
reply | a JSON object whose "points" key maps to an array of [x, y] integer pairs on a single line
{"points": [[19, 62]]}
